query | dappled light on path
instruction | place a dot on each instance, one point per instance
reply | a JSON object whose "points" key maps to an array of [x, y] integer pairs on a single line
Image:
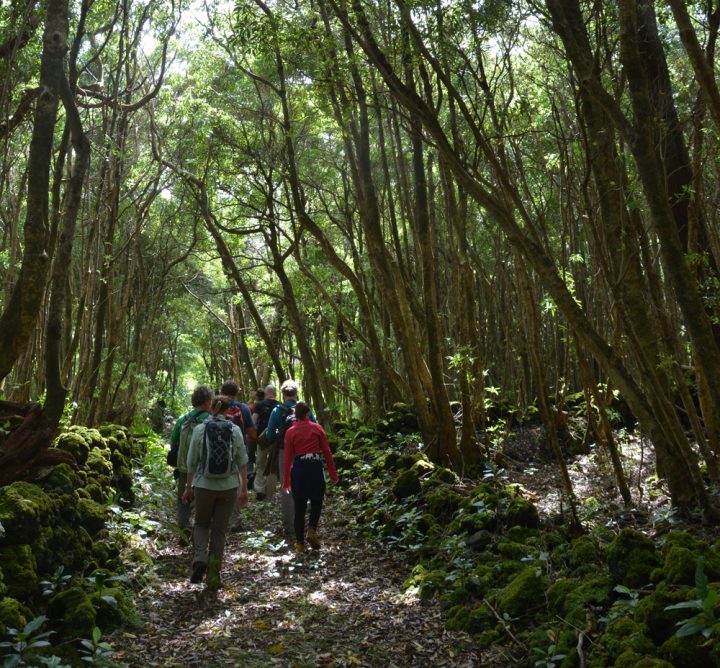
{"points": [[341, 606]]}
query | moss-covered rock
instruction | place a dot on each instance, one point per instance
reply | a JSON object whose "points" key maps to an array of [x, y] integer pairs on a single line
{"points": [[524, 593], [521, 512], [558, 592], [20, 571], [592, 593], [632, 558], [443, 501], [75, 444], [406, 484], [99, 465], [23, 509], [631, 659], [651, 611], [679, 566], [584, 550], [688, 652], [73, 613], [59, 479], [92, 515], [511, 550], [623, 633], [114, 608], [13, 615]]}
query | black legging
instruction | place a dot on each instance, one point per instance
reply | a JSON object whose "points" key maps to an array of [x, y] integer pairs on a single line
{"points": [[308, 484]]}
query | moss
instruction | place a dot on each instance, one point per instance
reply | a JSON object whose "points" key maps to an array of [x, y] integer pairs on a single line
{"points": [[558, 593], [60, 479], [20, 570], [3, 588], [594, 592], [75, 444], [488, 638], [623, 633], [480, 620], [443, 501], [632, 558], [442, 474], [95, 492], [23, 509], [525, 592], [92, 515], [511, 550], [688, 652], [679, 566], [100, 466], [344, 461], [661, 622], [469, 522], [73, 612], [406, 484], [630, 659], [583, 550], [522, 512], [520, 534], [13, 615], [114, 608]]}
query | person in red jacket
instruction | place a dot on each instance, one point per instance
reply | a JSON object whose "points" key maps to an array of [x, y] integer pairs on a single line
{"points": [[305, 445]]}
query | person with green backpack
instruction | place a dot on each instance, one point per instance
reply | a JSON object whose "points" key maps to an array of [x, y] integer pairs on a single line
{"points": [[177, 457], [217, 477]]}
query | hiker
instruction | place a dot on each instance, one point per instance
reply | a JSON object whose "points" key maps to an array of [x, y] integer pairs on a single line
{"points": [[263, 485], [259, 396], [216, 478], [240, 414], [305, 446], [280, 419], [177, 457]]}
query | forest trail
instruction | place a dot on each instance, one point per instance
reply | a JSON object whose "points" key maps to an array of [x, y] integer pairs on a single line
{"points": [[343, 606]]}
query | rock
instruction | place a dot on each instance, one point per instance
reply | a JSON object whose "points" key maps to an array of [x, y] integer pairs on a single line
{"points": [[19, 571], [525, 593], [480, 540], [632, 558], [522, 512]]}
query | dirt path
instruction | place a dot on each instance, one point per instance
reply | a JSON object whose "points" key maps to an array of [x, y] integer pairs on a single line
{"points": [[344, 606]]}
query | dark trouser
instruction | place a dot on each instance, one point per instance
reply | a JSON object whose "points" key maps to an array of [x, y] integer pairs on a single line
{"points": [[308, 484]]}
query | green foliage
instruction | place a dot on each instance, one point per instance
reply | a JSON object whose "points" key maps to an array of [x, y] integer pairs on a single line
{"points": [[23, 644], [706, 619]]}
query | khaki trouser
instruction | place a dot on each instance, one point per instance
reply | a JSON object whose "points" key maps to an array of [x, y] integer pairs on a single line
{"points": [[264, 484], [212, 514]]}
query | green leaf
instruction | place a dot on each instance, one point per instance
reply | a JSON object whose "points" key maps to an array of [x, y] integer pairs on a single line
{"points": [[34, 625], [690, 629]]}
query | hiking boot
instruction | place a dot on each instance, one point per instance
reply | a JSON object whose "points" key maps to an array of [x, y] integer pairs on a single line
{"points": [[312, 538], [299, 548], [199, 568], [185, 536], [237, 528], [260, 496]]}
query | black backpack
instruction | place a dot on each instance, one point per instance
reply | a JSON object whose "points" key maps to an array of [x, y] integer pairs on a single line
{"points": [[216, 459], [264, 409], [285, 423]]}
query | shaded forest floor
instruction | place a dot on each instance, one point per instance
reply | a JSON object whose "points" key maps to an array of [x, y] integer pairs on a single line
{"points": [[342, 606]]}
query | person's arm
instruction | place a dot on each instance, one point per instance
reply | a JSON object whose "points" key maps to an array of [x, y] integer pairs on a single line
{"points": [[241, 459], [273, 423], [287, 462], [325, 446], [175, 435], [250, 431]]}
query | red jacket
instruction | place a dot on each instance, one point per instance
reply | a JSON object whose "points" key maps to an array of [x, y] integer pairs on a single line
{"points": [[304, 438]]}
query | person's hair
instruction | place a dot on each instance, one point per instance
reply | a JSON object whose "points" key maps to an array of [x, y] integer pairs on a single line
{"points": [[289, 388], [201, 395], [220, 404], [259, 394], [229, 388], [270, 389], [302, 410]]}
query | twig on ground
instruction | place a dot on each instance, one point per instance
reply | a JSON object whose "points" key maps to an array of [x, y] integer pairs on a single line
{"points": [[504, 623]]}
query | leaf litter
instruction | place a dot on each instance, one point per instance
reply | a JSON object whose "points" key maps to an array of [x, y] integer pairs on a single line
{"points": [[341, 606]]}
